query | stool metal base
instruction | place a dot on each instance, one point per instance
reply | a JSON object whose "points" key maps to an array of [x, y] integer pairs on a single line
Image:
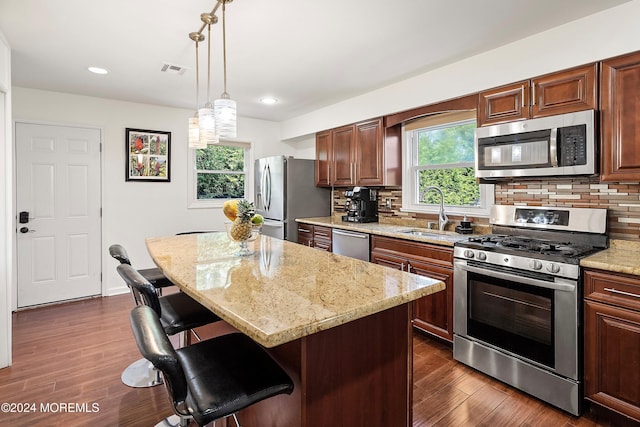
{"points": [[173, 421], [141, 373]]}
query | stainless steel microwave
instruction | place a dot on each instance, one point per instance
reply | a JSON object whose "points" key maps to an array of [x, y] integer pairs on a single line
{"points": [[561, 145]]}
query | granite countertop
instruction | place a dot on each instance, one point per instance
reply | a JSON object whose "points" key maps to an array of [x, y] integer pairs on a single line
{"points": [[444, 238], [284, 291], [623, 256]]}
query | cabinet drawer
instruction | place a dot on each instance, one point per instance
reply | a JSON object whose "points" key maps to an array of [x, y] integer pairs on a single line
{"points": [[439, 255], [305, 234], [612, 288], [321, 232], [323, 244]]}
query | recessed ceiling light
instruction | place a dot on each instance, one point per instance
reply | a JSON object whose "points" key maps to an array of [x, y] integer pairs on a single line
{"points": [[98, 70], [269, 100]]}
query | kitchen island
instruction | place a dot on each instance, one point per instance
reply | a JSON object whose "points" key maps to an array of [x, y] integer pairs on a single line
{"points": [[341, 327]]}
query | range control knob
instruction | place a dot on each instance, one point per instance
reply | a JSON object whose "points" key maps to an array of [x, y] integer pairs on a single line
{"points": [[535, 264], [468, 253], [553, 268], [482, 256]]}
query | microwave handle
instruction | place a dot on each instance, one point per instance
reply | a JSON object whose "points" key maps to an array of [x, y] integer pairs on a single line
{"points": [[553, 147]]}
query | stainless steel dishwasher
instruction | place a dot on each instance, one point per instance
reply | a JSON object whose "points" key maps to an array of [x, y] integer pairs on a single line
{"points": [[350, 243]]}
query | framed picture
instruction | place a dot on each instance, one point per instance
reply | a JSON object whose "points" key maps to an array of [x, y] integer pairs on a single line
{"points": [[148, 154]]}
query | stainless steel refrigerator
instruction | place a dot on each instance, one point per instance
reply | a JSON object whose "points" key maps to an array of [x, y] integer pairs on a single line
{"points": [[285, 189]]}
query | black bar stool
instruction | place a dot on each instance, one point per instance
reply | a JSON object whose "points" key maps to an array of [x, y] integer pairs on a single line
{"points": [[178, 312], [141, 373], [211, 379], [153, 275]]}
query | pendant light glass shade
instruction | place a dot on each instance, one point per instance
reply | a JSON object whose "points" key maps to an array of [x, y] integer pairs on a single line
{"points": [[225, 115], [207, 125], [194, 134]]}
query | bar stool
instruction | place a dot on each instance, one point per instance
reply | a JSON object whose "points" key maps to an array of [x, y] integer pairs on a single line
{"points": [[178, 312], [211, 379], [153, 275]]}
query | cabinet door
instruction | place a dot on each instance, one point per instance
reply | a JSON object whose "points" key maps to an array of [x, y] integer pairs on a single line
{"points": [[504, 104], [343, 155], [369, 153], [323, 159], [397, 263], [620, 120], [305, 234], [434, 313], [565, 92], [612, 356]]}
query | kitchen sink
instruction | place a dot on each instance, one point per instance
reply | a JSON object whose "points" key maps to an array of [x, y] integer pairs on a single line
{"points": [[421, 232]]}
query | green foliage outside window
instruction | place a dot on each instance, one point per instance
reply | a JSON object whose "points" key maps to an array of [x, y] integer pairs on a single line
{"points": [[452, 146], [221, 173], [458, 185]]}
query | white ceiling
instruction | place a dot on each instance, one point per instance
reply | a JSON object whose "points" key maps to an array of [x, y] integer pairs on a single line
{"points": [[307, 53]]}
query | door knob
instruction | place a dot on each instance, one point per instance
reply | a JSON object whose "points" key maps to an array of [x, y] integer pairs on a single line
{"points": [[26, 230]]}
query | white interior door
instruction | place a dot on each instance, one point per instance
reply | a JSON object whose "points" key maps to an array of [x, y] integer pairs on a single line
{"points": [[58, 239]]}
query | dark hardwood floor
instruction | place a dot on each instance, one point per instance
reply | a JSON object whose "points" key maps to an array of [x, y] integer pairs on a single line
{"points": [[74, 354]]}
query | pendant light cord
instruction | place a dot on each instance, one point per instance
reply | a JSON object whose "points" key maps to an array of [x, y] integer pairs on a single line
{"points": [[224, 47], [197, 78], [208, 62]]}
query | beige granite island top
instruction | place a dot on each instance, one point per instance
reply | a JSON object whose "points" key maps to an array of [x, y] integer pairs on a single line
{"points": [[623, 256], [444, 238], [284, 291]]}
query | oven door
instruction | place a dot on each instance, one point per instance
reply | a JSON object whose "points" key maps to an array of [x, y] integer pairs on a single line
{"points": [[534, 317]]}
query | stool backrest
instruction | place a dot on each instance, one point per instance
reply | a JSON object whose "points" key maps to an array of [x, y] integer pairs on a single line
{"points": [[143, 292], [119, 253], [154, 345]]}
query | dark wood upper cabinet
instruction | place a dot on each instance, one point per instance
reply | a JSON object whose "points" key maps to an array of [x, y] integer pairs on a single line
{"points": [[620, 118], [369, 153], [323, 159], [563, 92], [344, 155], [363, 153], [504, 104]]}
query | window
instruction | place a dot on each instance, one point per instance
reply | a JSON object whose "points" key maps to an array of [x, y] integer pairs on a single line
{"points": [[220, 172], [439, 151]]}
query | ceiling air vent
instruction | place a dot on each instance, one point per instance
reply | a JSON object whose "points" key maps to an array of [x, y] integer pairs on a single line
{"points": [[173, 69]]}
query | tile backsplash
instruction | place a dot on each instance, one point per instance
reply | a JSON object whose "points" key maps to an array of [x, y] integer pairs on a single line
{"points": [[622, 201]]}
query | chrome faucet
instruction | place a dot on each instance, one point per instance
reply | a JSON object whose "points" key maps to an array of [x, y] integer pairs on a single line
{"points": [[442, 217]]}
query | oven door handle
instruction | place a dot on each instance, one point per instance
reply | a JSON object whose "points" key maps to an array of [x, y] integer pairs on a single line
{"points": [[567, 286]]}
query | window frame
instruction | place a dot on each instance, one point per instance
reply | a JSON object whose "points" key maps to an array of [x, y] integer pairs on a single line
{"points": [[192, 181], [410, 179]]}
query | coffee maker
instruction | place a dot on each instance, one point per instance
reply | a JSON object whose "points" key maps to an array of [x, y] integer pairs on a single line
{"points": [[361, 205]]}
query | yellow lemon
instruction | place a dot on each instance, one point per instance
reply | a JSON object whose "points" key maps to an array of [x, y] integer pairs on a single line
{"points": [[230, 209]]}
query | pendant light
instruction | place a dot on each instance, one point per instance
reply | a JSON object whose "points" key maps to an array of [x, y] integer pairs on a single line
{"points": [[206, 118], [194, 129], [224, 107]]}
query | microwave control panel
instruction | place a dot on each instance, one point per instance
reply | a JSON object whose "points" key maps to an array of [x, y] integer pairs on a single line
{"points": [[572, 145]]}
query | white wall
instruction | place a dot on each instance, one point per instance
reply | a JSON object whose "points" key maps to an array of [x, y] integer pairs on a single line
{"points": [[135, 210], [6, 173], [603, 35]]}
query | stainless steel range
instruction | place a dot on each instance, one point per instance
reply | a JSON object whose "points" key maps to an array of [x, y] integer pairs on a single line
{"points": [[518, 298]]}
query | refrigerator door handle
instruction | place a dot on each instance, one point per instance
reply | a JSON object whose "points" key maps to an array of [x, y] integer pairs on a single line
{"points": [[268, 187], [274, 224], [262, 199]]}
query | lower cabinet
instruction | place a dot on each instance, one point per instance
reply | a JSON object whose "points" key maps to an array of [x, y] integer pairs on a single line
{"points": [[612, 341], [315, 236], [433, 313]]}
